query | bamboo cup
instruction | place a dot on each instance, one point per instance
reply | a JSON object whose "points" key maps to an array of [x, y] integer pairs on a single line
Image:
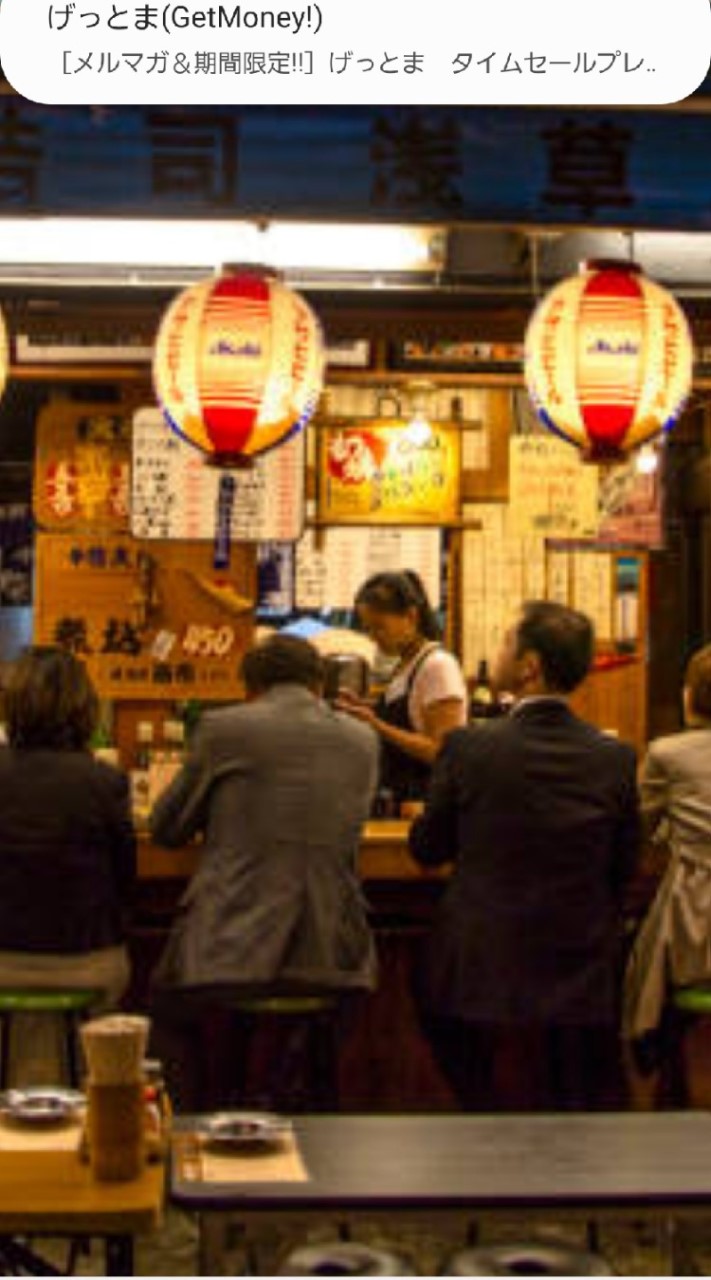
{"points": [[114, 1048]]}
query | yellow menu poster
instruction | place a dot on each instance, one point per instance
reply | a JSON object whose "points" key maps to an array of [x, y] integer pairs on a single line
{"points": [[389, 472], [551, 491]]}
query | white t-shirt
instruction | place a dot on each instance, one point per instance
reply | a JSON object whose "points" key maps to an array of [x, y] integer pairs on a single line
{"points": [[439, 676]]}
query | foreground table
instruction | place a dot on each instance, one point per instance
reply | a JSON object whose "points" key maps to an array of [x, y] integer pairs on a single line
{"points": [[53, 1193], [588, 1165]]}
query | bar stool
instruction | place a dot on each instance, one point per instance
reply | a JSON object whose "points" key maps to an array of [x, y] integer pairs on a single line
{"points": [[317, 1014], [350, 1259], [527, 1258], [72, 1005], [686, 1006]]}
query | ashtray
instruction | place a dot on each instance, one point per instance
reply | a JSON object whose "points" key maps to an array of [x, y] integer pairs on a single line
{"points": [[245, 1130], [40, 1105]]}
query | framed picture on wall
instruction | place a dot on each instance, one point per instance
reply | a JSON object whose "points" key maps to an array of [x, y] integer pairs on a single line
{"points": [[457, 355], [389, 471], [349, 353]]}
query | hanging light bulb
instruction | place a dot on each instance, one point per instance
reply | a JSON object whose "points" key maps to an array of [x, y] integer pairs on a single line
{"points": [[419, 427], [647, 460], [608, 359]]}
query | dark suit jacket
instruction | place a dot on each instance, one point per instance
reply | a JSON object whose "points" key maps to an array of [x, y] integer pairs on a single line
{"points": [[540, 812], [67, 852]]}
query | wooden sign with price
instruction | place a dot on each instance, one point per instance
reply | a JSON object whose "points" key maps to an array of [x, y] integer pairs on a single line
{"points": [[152, 621]]}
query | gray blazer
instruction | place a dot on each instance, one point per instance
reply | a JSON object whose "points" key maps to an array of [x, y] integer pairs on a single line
{"points": [[674, 942], [280, 788]]}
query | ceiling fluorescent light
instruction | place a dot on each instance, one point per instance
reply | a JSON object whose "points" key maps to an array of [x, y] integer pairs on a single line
{"points": [[132, 242]]}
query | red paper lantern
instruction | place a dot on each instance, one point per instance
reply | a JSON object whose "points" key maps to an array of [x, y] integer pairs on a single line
{"points": [[608, 359], [238, 364]]}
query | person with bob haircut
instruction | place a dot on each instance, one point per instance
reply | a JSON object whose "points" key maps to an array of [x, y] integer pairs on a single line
{"points": [[673, 946], [425, 697], [538, 813], [67, 849]]}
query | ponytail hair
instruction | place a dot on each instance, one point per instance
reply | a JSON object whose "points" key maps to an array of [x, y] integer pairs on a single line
{"points": [[396, 593]]}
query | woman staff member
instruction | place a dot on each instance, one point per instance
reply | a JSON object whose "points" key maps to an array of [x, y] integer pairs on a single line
{"points": [[425, 697]]}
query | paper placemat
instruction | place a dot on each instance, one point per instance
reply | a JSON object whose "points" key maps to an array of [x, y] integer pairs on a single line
{"points": [[198, 1162], [17, 1137]]}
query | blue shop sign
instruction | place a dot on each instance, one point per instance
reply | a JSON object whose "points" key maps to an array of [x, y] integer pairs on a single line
{"points": [[599, 166]]}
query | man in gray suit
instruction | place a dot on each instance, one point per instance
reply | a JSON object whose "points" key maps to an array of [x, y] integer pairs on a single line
{"points": [[280, 787]]}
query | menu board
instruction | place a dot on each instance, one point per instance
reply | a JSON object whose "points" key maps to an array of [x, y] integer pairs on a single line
{"points": [[389, 471], [82, 465], [499, 570], [151, 620], [552, 492], [175, 489], [331, 564], [593, 590]]}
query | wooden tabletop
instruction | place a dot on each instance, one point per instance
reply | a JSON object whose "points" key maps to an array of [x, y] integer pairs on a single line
{"points": [[46, 1191], [384, 855], [514, 1162]]}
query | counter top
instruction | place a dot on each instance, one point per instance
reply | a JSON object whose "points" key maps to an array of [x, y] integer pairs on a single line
{"points": [[383, 856]]}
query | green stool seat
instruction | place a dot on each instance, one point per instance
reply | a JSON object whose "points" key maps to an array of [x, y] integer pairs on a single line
{"points": [[72, 1004], [46, 1001], [312, 1015], [695, 1000], [284, 1005]]}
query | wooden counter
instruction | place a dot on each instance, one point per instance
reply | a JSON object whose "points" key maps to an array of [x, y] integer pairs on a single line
{"points": [[384, 856]]}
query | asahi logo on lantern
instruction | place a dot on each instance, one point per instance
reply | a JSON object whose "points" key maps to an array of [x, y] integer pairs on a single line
{"points": [[602, 347], [608, 359], [223, 347]]}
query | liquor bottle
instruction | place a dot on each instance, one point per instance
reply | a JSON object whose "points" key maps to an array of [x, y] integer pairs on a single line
{"points": [[141, 772], [482, 705], [144, 744]]}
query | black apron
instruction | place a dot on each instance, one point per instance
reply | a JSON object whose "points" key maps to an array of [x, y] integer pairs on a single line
{"points": [[401, 774]]}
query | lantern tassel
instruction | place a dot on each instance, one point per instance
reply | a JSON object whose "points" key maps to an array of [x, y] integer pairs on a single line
{"points": [[223, 521]]}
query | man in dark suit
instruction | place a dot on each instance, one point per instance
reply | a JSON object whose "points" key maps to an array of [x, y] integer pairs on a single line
{"points": [[538, 811]]}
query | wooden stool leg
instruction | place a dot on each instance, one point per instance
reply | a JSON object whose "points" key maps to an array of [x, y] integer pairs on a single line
{"points": [[323, 1063], [675, 1084], [71, 1034]]}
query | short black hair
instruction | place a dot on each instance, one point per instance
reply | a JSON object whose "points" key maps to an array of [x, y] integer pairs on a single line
{"points": [[398, 592], [698, 681], [50, 701], [282, 660], [563, 638]]}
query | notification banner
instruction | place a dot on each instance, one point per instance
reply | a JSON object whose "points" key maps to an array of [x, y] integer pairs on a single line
{"points": [[330, 53]]}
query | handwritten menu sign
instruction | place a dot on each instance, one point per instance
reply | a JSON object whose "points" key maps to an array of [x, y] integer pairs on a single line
{"points": [[592, 590], [499, 570], [552, 492], [389, 472], [174, 489], [332, 564], [82, 465]]}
